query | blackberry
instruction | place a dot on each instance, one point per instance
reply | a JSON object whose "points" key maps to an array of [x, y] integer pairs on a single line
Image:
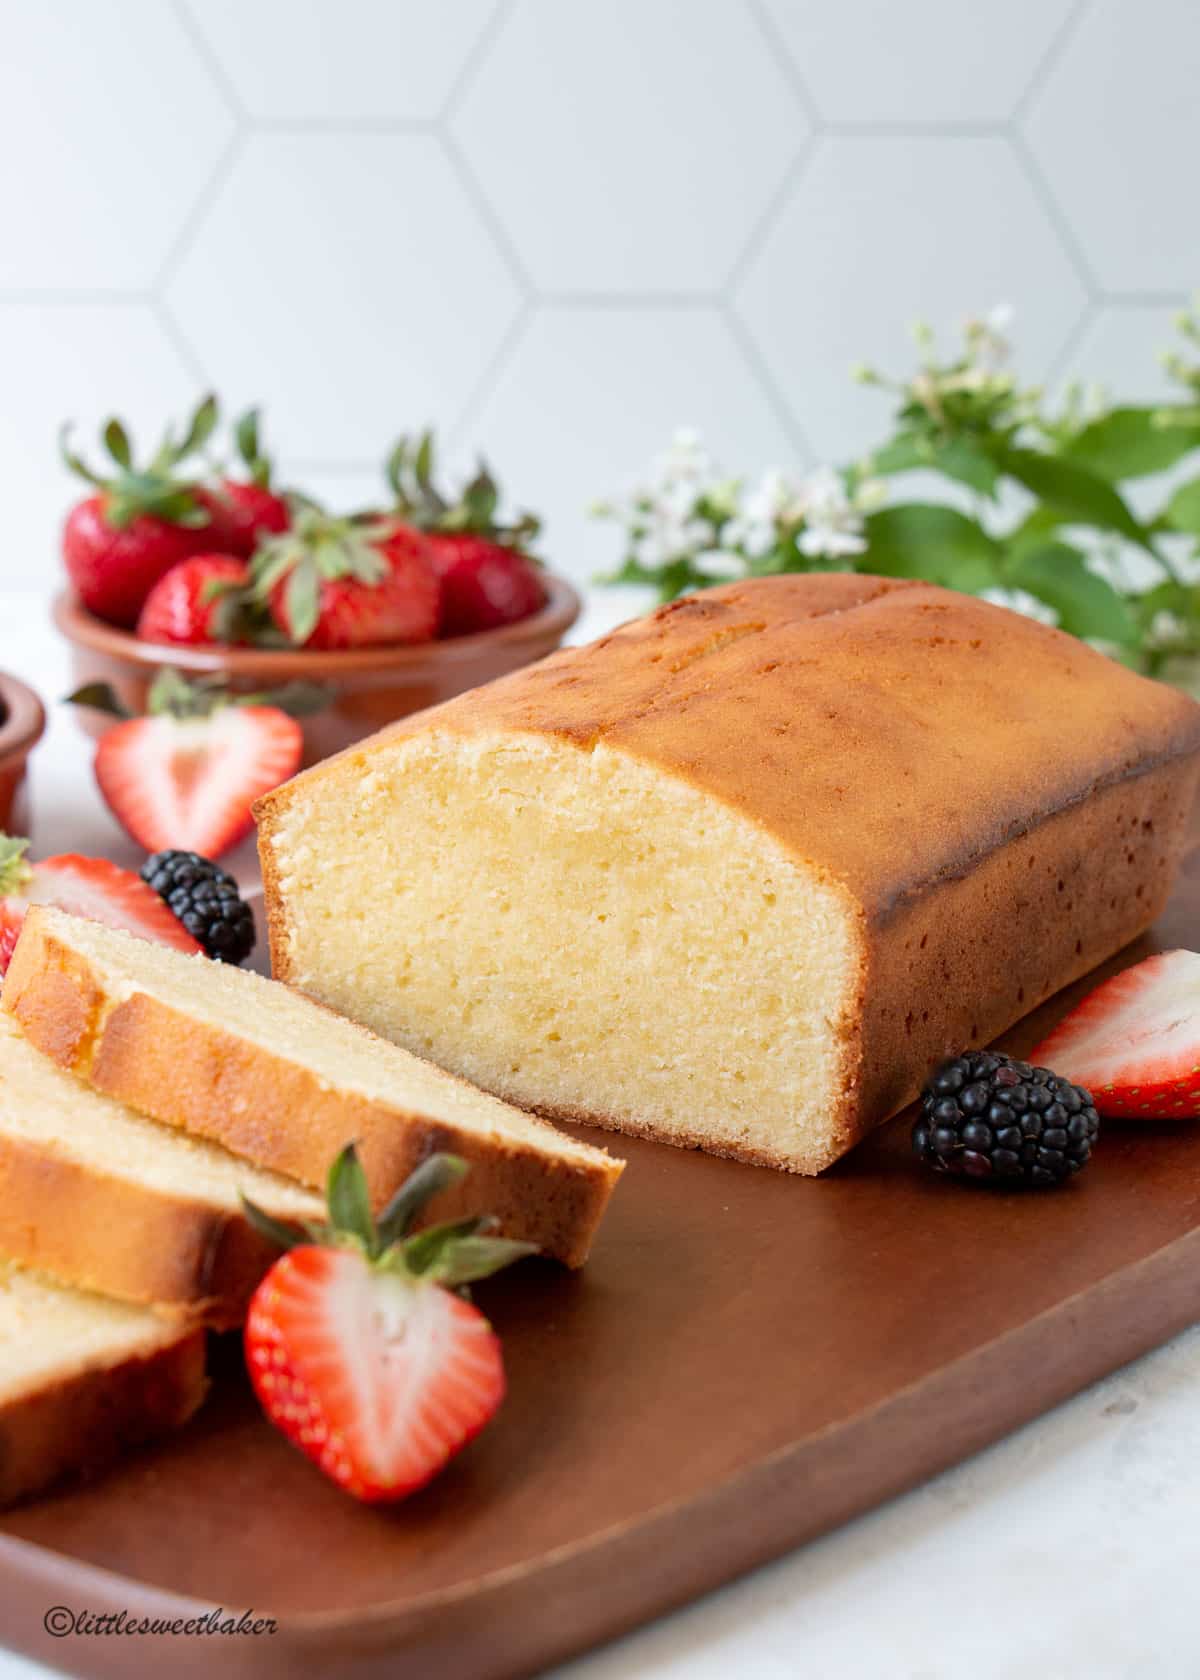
{"points": [[206, 900], [986, 1117]]}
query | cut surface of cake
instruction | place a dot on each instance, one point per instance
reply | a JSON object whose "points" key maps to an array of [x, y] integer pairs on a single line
{"points": [[104, 1199], [82, 1377], [261, 1069], [737, 874]]}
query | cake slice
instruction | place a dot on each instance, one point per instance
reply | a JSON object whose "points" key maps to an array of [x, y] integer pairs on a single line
{"points": [[246, 1062], [82, 1377], [738, 874], [106, 1200]]}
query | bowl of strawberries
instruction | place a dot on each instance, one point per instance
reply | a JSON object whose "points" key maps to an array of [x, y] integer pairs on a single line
{"points": [[221, 576]]}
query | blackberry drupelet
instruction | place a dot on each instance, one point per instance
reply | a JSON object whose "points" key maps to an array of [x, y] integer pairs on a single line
{"points": [[988, 1118], [206, 900]]}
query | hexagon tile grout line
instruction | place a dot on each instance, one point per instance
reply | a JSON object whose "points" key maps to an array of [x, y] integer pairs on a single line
{"points": [[1049, 59], [756, 365], [491, 375], [1053, 210], [201, 204], [485, 211], [474, 58], [209, 59], [180, 342], [760, 232], [783, 57]]}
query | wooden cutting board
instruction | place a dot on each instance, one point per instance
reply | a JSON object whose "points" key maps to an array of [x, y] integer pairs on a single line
{"points": [[748, 1360]]}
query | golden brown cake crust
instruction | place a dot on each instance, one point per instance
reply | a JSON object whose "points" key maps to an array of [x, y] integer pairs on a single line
{"points": [[86, 1418], [276, 1112], [1005, 805], [108, 1233]]}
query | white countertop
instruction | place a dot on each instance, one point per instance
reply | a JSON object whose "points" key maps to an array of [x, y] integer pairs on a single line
{"points": [[1067, 1552]]}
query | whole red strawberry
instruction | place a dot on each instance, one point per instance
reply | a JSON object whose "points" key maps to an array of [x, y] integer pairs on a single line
{"points": [[345, 583], [487, 577], [358, 1346], [254, 509], [84, 886], [191, 604], [117, 543]]}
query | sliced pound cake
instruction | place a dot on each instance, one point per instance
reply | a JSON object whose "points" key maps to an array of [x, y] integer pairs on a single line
{"points": [[276, 1079], [104, 1199], [736, 875], [82, 1377]]}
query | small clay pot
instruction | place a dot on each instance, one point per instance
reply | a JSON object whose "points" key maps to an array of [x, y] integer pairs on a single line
{"points": [[22, 724], [369, 687]]}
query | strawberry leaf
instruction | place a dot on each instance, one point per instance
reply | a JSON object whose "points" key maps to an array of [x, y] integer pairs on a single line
{"points": [[473, 1257], [116, 441], [435, 1174], [349, 1203], [100, 697], [303, 602], [285, 1236], [200, 428], [15, 873], [425, 1254]]}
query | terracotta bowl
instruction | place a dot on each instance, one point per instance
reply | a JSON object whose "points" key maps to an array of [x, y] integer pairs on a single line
{"points": [[369, 686], [22, 722]]}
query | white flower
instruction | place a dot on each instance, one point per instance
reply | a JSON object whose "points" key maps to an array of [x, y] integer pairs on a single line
{"points": [[1019, 600], [686, 461], [832, 523], [987, 339], [1167, 628]]}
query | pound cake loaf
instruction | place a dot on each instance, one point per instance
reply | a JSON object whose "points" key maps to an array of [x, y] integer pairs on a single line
{"points": [[243, 1061], [736, 875], [82, 1378], [103, 1199]]}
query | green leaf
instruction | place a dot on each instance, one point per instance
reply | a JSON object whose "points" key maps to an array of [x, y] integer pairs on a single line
{"points": [[116, 441], [1131, 443], [349, 1202], [958, 457], [471, 1258], [1086, 605], [422, 1253], [100, 697], [435, 1174], [1183, 510], [285, 1236], [1034, 529], [73, 461], [245, 436], [1074, 491], [930, 541], [200, 428], [303, 598], [298, 699], [15, 873], [172, 695]]}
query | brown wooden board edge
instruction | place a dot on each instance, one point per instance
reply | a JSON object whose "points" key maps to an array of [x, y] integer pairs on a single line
{"points": [[518, 1621]]}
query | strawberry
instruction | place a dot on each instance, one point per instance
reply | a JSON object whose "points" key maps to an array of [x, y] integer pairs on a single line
{"points": [[487, 577], [118, 543], [195, 601], [1135, 1041], [184, 776], [254, 509], [358, 1346], [90, 887], [345, 583]]}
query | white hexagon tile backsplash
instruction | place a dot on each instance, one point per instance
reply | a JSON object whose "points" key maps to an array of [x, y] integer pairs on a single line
{"points": [[558, 229]]}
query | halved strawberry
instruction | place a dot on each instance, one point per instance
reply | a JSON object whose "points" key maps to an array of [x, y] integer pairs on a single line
{"points": [[90, 887], [346, 583], [356, 1344], [1135, 1041], [488, 578], [184, 777]]}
